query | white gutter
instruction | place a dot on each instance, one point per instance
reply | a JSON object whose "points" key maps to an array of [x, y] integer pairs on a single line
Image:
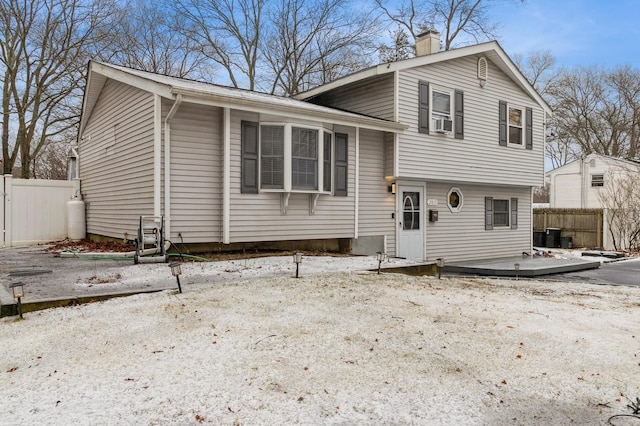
{"points": [[157, 153], [226, 176], [167, 165], [293, 111]]}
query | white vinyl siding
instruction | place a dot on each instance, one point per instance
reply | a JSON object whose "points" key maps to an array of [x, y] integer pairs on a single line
{"points": [[376, 206], [462, 236], [116, 161], [478, 156], [258, 217], [373, 97], [196, 173]]}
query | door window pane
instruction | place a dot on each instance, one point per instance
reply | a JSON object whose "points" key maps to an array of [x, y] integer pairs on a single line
{"points": [[411, 210]]}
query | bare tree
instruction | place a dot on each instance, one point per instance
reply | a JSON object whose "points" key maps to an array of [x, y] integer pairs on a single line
{"points": [[51, 161], [312, 42], [42, 55], [152, 38], [399, 49], [597, 110], [620, 197], [229, 32], [459, 21]]}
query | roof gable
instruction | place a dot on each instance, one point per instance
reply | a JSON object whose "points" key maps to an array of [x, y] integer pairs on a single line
{"points": [[492, 50], [609, 160], [190, 90]]}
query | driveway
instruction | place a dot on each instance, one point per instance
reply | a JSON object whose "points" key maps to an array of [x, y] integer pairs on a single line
{"points": [[47, 277], [625, 272]]}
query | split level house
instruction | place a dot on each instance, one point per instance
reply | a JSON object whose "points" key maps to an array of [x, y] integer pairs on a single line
{"points": [[431, 157]]}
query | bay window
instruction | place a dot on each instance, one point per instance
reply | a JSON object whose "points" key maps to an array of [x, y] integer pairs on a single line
{"points": [[292, 158]]}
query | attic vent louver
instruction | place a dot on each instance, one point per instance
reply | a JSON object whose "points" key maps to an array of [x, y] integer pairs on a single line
{"points": [[483, 70]]}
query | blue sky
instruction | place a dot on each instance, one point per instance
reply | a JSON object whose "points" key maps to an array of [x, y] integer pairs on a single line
{"points": [[577, 32]]}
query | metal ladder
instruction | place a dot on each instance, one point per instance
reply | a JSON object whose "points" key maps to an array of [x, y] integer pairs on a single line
{"points": [[150, 236]]}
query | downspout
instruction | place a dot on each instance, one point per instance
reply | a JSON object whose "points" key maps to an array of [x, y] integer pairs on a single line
{"points": [[157, 153], [167, 165], [2, 208], [357, 183], [226, 176], [396, 118]]}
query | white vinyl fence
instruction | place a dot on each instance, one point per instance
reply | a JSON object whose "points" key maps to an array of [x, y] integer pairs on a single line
{"points": [[33, 211]]}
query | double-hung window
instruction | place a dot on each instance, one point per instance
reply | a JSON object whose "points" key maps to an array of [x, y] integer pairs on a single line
{"points": [[272, 157], [440, 110], [304, 158], [597, 180], [441, 102], [292, 158], [515, 126]]}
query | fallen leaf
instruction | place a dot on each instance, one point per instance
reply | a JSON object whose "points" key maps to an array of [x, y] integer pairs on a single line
{"points": [[12, 369]]}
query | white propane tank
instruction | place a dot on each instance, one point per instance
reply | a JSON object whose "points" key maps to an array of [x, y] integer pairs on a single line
{"points": [[76, 227]]}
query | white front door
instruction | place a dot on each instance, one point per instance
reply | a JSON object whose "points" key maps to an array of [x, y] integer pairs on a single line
{"points": [[411, 222]]}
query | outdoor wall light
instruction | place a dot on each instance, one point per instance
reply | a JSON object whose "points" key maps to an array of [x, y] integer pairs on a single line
{"points": [[176, 270], [380, 256], [392, 188], [516, 267], [439, 265], [297, 259], [18, 294]]}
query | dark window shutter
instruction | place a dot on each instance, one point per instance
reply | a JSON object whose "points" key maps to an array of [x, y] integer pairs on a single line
{"points": [[514, 213], [502, 118], [488, 213], [459, 118], [341, 178], [423, 107], [529, 128], [326, 166], [249, 140]]}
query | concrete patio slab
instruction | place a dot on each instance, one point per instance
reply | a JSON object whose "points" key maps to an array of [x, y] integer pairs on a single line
{"points": [[528, 266]]}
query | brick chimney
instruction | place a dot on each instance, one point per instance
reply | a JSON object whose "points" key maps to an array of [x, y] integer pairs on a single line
{"points": [[427, 43]]}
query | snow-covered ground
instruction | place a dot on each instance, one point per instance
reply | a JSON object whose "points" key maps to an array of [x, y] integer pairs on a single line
{"points": [[349, 347]]}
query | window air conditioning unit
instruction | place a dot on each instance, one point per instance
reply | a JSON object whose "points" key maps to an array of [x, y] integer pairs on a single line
{"points": [[442, 125]]}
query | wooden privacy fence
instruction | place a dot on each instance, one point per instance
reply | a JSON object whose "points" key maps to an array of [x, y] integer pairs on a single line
{"points": [[584, 226], [33, 211]]}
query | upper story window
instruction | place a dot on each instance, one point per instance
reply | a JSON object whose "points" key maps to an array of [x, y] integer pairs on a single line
{"points": [[440, 111], [441, 102], [597, 180], [286, 157], [515, 126]]}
